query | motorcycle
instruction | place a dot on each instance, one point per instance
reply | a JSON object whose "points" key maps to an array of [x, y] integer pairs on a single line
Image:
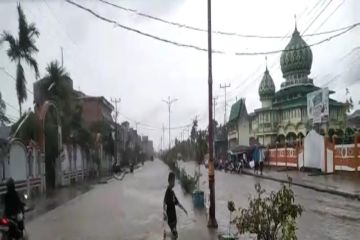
{"points": [[13, 227], [230, 167], [239, 166]]}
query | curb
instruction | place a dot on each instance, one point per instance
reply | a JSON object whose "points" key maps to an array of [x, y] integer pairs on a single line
{"points": [[121, 177], [318, 189]]}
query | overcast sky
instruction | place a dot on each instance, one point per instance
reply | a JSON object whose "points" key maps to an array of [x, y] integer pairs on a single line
{"points": [[103, 59]]}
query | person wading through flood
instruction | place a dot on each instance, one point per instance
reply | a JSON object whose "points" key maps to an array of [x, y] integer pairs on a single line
{"points": [[169, 203]]}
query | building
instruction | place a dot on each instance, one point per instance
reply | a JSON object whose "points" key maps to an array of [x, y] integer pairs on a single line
{"points": [[354, 120], [96, 109], [147, 147], [283, 113], [238, 125]]}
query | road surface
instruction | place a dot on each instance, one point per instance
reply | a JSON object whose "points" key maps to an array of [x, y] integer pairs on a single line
{"points": [[132, 209]]}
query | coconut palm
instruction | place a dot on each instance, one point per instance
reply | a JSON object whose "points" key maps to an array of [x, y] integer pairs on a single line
{"points": [[3, 118], [22, 49], [57, 83]]}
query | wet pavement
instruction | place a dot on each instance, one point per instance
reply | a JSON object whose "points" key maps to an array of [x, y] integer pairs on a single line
{"points": [[342, 183], [325, 216], [132, 209]]}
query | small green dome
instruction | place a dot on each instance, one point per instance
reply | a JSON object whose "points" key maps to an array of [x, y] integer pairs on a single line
{"points": [[296, 59], [267, 86]]}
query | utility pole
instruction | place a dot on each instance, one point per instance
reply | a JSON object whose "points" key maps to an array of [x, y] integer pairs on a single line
{"points": [[163, 138], [116, 101], [212, 223], [214, 104], [169, 101], [136, 126], [225, 87]]}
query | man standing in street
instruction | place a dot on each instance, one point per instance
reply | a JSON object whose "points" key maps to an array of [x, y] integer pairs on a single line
{"points": [[169, 203]]}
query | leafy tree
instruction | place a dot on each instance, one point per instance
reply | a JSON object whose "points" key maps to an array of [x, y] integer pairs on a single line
{"points": [[22, 49], [3, 118], [270, 217], [30, 129], [349, 105], [194, 131], [106, 135], [58, 89]]}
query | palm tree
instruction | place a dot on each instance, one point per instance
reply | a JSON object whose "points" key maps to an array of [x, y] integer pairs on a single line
{"points": [[22, 49], [57, 82], [57, 87], [3, 118]]}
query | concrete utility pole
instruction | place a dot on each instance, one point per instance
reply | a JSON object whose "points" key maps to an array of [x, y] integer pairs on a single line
{"points": [[136, 126], [214, 104], [212, 223], [225, 87], [116, 101], [169, 101], [163, 138]]}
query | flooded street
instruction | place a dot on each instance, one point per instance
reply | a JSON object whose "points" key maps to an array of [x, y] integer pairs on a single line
{"points": [[132, 209]]}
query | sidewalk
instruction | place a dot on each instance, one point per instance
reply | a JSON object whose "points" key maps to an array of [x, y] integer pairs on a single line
{"points": [[343, 184], [43, 203]]}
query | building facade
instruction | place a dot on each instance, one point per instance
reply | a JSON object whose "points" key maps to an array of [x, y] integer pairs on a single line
{"points": [[283, 113], [96, 109]]}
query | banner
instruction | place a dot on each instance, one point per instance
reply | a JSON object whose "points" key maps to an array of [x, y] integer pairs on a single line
{"points": [[318, 105]]}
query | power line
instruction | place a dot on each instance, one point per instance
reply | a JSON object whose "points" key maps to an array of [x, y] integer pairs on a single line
{"points": [[200, 48], [250, 77], [182, 25], [311, 23], [138, 31], [319, 14], [13, 78], [225, 86], [11, 106]]}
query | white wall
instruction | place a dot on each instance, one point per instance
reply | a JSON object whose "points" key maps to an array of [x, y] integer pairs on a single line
{"points": [[243, 127], [78, 157], [314, 151], [18, 159]]}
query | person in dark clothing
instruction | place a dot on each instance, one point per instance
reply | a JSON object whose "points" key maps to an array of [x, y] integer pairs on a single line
{"points": [[169, 203], [13, 204], [13, 207]]}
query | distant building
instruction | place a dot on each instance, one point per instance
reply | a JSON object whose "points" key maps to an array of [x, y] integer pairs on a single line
{"points": [[283, 115], [96, 109], [354, 120], [239, 125], [147, 146]]}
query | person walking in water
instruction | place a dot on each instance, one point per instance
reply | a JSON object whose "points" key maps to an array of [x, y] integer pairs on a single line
{"points": [[256, 157], [169, 203]]}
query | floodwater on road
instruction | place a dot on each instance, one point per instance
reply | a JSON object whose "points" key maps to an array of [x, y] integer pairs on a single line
{"points": [[325, 216], [132, 209]]}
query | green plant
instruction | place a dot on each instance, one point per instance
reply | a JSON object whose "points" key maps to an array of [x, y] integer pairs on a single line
{"points": [[188, 182], [22, 49], [270, 217], [3, 118]]}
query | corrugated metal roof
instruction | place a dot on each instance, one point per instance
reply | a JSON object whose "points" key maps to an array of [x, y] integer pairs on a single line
{"points": [[236, 110]]}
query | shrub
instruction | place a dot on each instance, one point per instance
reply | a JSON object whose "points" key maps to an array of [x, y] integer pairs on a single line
{"points": [[270, 217]]}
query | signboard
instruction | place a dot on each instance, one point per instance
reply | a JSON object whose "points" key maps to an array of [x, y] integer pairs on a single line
{"points": [[318, 105]]}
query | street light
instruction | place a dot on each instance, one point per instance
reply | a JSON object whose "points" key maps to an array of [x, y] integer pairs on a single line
{"points": [[169, 102]]}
